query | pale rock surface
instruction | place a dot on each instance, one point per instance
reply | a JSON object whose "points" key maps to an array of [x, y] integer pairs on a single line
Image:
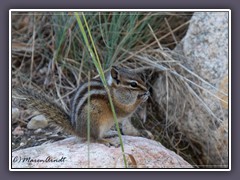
{"points": [[205, 45], [72, 153], [37, 122]]}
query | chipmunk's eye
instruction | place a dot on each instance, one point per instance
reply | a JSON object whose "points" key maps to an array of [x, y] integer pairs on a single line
{"points": [[133, 84]]}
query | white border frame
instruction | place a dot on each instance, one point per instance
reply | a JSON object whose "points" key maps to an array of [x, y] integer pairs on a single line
{"points": [[123, 10]]}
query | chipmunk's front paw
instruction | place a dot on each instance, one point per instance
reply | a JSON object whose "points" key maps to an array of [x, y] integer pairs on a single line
{"points": [[144, 96]]}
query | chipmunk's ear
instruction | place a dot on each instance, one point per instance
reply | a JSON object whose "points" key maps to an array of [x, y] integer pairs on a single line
{"points": [[115, 74]]}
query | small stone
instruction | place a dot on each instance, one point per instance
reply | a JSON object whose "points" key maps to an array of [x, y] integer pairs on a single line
{"points": [[37, 131], [22, 144], [43, 70], [53, 136], [37, 122], [43, 139], [48, 133], [18, 131], [15, 113]]}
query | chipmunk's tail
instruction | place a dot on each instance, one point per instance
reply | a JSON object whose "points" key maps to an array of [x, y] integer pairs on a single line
{"points": [[45, 105]]}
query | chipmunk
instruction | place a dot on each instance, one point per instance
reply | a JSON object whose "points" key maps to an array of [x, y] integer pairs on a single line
{"points": [[127, 91]]}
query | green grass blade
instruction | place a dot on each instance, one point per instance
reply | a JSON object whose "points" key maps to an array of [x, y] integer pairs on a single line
{"points": [[97, 64]]}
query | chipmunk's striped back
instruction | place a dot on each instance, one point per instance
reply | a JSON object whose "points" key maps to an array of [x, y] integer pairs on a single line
{"points": [[80, 99]]}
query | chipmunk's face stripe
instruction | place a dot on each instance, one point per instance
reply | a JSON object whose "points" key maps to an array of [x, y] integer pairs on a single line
{"points": [[82, 90], [134, 84]]}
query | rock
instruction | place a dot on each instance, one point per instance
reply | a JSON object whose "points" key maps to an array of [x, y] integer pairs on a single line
{"points": [[37, 122], [15, 113], [18, 131], [202, 113], [72, 153], [205, 45]]}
